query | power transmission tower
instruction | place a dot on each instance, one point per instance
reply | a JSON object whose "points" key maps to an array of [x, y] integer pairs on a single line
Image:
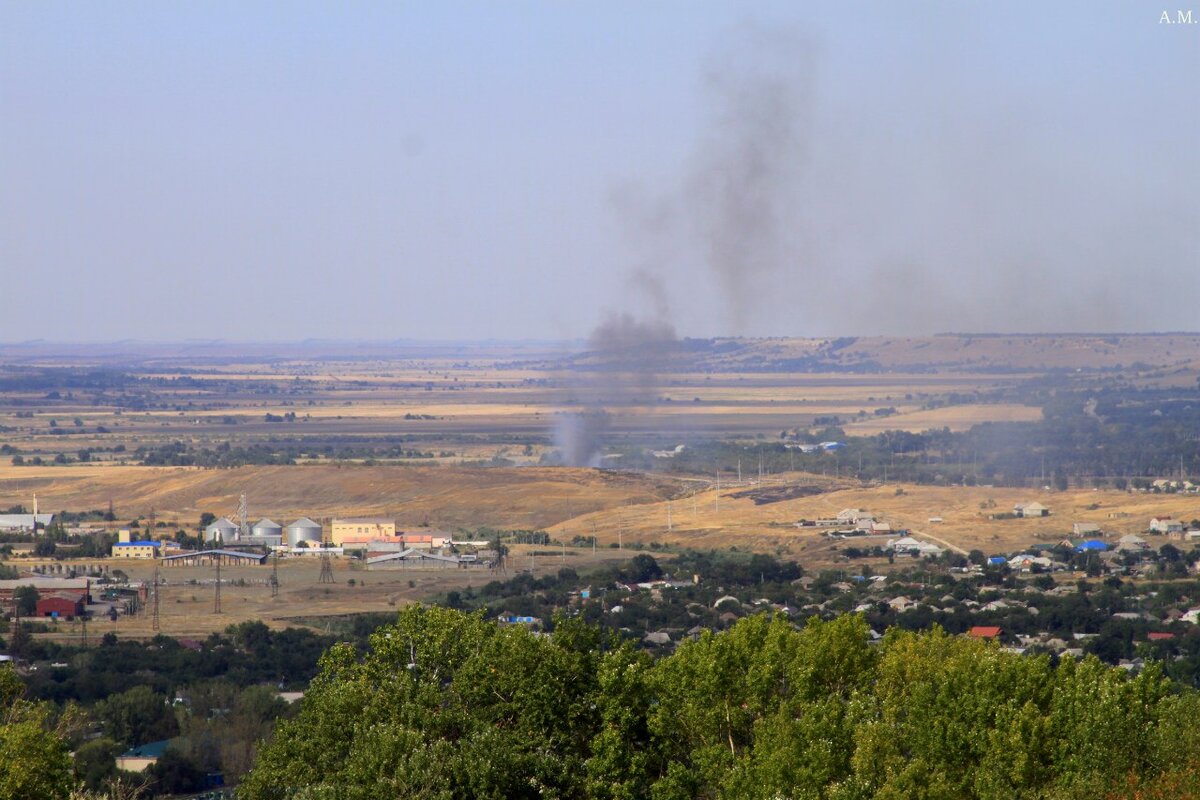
{"points": [[243, 519], [275, 575], [217, 593], [154, 614], [326, 569]]}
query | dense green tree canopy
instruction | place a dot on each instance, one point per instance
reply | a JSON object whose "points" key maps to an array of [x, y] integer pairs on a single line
{"points": [[447, 705], [34, 762]]}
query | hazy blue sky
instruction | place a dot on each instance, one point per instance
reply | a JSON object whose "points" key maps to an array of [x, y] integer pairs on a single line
{"points": [[500, 169]]}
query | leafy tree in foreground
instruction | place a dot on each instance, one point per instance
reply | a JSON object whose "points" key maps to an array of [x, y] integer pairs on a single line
{"points": [[447, 705], [34, 762]]}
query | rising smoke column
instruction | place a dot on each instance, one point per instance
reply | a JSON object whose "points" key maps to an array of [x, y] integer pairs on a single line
{"points": [[737, 197], [625, 356], [744, 191]]}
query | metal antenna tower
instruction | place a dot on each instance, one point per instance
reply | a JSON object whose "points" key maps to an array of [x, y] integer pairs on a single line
{"points": [[326, 569], [275, 575], [154, 614]]}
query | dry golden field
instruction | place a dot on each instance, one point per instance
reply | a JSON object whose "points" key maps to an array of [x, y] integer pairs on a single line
{"points": [[956, 418], [450, 497], [703, 522]]}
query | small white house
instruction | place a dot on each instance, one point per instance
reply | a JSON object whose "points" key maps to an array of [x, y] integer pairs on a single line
{"points": [[1085, 529]]}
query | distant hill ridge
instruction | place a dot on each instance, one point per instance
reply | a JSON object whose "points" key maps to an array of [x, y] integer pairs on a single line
{"points": [[946, 352]]}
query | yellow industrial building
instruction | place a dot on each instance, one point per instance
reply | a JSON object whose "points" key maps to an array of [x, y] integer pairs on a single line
{"points": [[361, 528]]}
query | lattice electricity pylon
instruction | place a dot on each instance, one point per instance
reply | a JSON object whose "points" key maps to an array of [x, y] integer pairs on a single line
{"points": [[326, 569], [275, 575], [154, 614], [243, 516]]}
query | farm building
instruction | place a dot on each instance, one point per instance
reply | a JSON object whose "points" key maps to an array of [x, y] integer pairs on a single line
{"points": [[421, 559], [213, 556], [24, 522], [44, 586], [1085, 529], [61, 605], [1031, 510]]}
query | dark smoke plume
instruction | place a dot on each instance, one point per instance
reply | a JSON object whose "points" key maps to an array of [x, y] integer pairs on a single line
{"points": [[736, 197], [744, 190]]}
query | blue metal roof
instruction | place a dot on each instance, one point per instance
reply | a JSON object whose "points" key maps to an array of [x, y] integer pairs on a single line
{"points": [[137, 544], [1091, 544]]}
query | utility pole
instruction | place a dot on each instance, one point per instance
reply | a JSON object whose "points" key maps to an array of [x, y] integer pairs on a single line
{"points": [[275, 575], [83, 628], [326, 569], [717, 497], [668, 516], [154, 624], [217, 592]]}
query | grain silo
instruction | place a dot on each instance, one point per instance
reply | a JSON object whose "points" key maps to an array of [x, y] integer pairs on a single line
{"points": [[303, 530], [223, 529], [267, 532]]}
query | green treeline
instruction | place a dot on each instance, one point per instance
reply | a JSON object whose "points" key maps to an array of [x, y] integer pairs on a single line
{"points": [[447, 705]]}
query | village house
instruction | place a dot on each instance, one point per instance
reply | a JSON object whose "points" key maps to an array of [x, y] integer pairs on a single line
{"points": [[1166, 525], [1132, 541]]}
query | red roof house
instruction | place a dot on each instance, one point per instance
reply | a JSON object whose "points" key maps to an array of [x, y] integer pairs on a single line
{"points": [[984, 632]]}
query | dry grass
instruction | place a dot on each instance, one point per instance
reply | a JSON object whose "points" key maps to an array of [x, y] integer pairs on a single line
{"points": [[966, 525], [450, 497], [956, 418]]}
